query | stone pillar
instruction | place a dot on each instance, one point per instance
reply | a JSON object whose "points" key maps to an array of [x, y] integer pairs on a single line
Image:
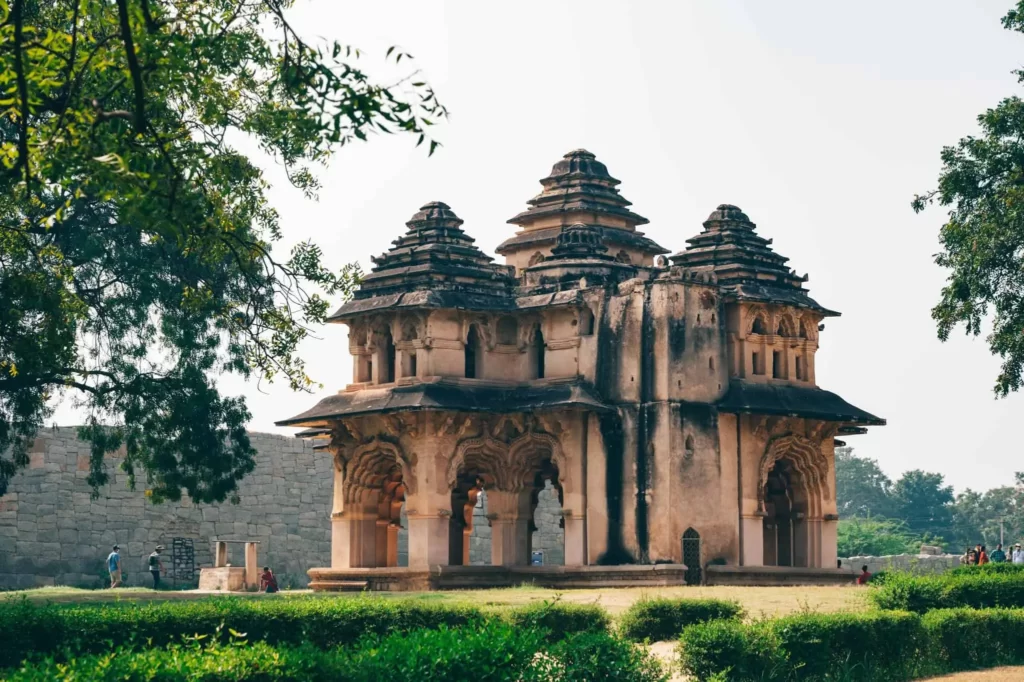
{"points": [[829, 543], [509, 513], [381, 542], [575, 542], [392, 543], [753, 540], [252, 569], [428, 538], [354, 539], [220, 558]]}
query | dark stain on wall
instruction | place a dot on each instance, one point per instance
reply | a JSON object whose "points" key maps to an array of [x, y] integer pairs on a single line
{"points": [[645, 427]]}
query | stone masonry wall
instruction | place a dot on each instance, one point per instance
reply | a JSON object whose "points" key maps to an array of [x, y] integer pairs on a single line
{"points": [[913, 563], [53, 533]]}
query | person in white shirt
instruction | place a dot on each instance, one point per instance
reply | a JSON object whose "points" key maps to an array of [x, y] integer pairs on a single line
{"points": [[1018, 554]]}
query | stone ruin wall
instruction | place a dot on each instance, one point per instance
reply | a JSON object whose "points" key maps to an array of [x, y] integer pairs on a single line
{"points": [[913, 563], [53, 533]]}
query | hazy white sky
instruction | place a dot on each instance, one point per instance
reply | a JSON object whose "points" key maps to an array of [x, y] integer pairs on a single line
{"points": [[820, 120]]}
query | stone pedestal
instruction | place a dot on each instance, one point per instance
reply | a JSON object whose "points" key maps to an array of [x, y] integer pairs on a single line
{"points": [[222, 579]]}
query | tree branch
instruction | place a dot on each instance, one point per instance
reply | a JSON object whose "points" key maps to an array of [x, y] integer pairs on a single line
{"points": [[19, 68], [133, 66]]}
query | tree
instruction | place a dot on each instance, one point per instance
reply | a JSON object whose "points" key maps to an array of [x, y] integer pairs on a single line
{"points": [[982, 183], [135, 239], [862, 489], [977, 516], [922, 501], [875, 537]]}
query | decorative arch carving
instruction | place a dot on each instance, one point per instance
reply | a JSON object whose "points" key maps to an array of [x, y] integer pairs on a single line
{"points": [[808, 462], [506, 466], [372, 464], [537, 257], [787, 325], [757, 318]]}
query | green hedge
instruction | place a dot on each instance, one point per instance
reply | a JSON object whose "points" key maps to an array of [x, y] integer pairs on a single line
{"points": [[971, 590], [965, 639], [848, 646], [27, 629], [663, 619], [558, 618], [886, 645], [496, 652]]}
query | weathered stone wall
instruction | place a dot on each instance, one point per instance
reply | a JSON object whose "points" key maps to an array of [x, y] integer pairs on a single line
{"points": [[53, 532], [914, 563]]}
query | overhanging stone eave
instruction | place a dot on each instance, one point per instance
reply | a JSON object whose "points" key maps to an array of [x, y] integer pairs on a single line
{"points": [[785, 399], [446, 396], [610, 236], [797, 299], [435, 300]]}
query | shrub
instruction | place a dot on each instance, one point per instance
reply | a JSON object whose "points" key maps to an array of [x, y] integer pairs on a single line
{"points": [[27, 629], [663, 619], [599, 656], [963, 639], [850, 646], [558, 619], [495, 652], [973, 590]]}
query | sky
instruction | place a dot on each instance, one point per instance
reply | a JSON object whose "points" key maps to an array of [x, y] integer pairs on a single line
{"points": [[820, 120]]}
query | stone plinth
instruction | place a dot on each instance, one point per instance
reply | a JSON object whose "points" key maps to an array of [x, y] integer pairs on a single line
{"points": [[777, 575], [222, 579]]}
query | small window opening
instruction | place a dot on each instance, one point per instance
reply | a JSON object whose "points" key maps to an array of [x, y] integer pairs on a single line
{"points": [[800, 369], [711, 364], [538, 349], [781, 331], [688, 447], [712, 318], [586, 322], [389, 360], [698, 318], [412, 363], [803, 330], [777, 367], [755, 362], [369, 370], [758, 327], [472, 344]]}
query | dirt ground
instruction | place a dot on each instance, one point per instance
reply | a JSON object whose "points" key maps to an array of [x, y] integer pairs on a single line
{"points": [[1015, 674]]}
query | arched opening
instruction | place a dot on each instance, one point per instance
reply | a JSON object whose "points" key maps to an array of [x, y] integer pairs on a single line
{"points": [[688, 447], [758, 327], [789, 508], [538, 354], [537, 257], [692, 557], [472, 353], [803, 329], [586, 322], [506, 504], [374, 491]]}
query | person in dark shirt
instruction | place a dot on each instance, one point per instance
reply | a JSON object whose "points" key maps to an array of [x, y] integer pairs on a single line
{"points": [[268, 583], [155, 566], [864, 576], [998, 556]]}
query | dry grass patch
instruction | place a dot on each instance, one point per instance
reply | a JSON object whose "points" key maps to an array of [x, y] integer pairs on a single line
{"points": [[1013, 674]]}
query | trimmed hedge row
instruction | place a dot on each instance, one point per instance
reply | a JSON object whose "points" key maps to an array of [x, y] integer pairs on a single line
{"points": [[889, 645], [496, 652], [658, 620], [27, 629], [977, 589], [1002, 567]]}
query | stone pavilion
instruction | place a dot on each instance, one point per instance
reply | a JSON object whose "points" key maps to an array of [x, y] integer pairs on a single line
{"points": [[670, 400]]}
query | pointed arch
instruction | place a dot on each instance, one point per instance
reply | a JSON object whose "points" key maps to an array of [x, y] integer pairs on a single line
{"points": [[808, 463], [372, 465]]}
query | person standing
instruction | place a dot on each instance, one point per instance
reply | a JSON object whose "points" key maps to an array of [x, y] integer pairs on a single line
{"points": [[982, 556], [114, 566], [1018, 554], [998, 556], [977, 555], [156, 566], [268, 583]]}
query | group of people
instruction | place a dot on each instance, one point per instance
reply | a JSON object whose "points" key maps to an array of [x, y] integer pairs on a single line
{"points": [[978, 555], [268, 583]]}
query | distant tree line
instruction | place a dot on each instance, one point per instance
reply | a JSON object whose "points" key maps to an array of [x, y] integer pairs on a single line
{"points": [[879, 517]]}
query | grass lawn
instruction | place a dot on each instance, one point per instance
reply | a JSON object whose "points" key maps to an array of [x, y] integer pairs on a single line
{"points": [[758, 601]]}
